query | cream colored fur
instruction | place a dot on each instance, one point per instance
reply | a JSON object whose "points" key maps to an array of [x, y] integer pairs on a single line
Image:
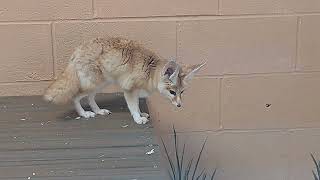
{"points": [[137, 70]]}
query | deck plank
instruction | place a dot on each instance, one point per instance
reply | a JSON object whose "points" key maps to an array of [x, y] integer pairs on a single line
{"points": [[45, 141]]}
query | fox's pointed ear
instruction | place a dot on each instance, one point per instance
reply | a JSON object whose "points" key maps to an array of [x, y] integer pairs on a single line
{"points": [[171, 70], [191, 71]]}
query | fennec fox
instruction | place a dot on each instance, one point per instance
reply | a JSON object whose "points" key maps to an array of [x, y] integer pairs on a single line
{"points": [[137, 70]]}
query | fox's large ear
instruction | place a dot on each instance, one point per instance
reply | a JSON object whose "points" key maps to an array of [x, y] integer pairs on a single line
{"points": [[191, 71], [171, 69]]}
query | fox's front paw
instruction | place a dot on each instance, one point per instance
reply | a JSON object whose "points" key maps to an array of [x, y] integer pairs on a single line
{"points": [[146, 115], [88, 114], [141, 120], [103, 112]]}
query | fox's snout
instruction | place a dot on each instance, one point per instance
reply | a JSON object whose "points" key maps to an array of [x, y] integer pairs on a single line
{"points": [[177, 104]]}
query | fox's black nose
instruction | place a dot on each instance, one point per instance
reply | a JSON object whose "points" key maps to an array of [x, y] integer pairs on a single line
{"points": [[178, 105]]}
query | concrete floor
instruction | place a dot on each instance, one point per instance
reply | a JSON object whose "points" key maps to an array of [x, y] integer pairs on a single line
{"points": [[43, 141]]}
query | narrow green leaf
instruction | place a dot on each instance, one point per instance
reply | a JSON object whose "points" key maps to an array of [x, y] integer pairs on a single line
{"points": [[318, 167], [182, 156], [170, 175], [186, 175], [314, 175], [169, 159], [204, 176], [197, 163], [176, 152], [316, 164], [214, 173], [200, 174]]}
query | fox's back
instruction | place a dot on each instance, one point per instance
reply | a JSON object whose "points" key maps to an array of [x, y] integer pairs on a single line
{"points": [[120, 60]]}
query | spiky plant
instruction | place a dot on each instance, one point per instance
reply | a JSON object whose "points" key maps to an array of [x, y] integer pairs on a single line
{"points": [[316, 174], [179, 170]]}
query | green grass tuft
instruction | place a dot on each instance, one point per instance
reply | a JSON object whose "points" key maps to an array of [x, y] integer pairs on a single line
{"points": [[181, 171]]}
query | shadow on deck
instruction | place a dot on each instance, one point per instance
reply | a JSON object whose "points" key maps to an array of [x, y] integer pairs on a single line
{"points": [[43, 141]]}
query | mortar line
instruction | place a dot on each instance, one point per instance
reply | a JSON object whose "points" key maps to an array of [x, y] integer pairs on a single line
{"points": [[93, 9], [164, 18], [219, 7], [265, 130], [23, 82], [299, 20], [259, 74], [53, 49], [177, 40], [220, 104]]}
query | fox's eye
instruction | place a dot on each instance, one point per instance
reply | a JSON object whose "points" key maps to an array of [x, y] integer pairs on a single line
{"points": [[172, 92], [181, 91]]}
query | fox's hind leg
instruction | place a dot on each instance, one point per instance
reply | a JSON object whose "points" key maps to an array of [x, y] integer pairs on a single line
{"points": [[90, 76], [79, 109], [91, 81]]}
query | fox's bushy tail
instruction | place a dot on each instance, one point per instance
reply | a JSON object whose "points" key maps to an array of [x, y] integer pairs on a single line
{"points": [[64, 88]]}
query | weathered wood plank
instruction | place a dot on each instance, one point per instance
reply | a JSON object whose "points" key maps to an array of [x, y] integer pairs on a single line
{"points": [[44, 141]]}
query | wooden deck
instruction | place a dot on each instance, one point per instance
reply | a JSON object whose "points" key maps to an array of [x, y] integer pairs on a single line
{"points": [[48, 142]]}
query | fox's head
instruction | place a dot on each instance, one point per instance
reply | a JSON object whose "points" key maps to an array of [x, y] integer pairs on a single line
{"points": [[174, 79]]}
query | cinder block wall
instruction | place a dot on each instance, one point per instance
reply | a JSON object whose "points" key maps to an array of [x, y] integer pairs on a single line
{"points": [[257, 99]]}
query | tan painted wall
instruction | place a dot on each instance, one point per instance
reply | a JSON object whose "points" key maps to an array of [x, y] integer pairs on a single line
{"points": [[258, 52]]}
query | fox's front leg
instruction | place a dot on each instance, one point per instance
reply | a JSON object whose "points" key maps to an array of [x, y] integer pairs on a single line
{"points": [[80, 110], [145, 115], [95, 108], [132, 98]]}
